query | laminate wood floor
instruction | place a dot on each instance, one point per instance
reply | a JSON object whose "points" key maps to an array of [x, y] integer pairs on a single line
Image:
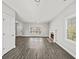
{"points": [[36, 48]]}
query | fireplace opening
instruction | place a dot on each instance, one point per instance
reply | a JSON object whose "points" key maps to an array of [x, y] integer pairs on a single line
{"points": [[52, 35]]}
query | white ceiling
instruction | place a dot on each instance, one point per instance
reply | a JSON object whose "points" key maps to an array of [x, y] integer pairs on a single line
{"points": [[30, 11]]}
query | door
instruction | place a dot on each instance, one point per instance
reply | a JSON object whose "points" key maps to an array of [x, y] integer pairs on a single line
{"points": [[8, 33]]}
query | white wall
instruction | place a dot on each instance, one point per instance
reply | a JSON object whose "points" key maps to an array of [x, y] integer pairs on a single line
{"points": [[44, 29], [8, 38], [59, 25]]}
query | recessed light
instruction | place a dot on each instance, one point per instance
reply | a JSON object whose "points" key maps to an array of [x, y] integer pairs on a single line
{"points": [[64, 0], [37, 0]]}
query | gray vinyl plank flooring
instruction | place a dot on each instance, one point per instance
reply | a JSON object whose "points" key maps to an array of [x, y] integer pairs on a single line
{"points": [[36, 48]]}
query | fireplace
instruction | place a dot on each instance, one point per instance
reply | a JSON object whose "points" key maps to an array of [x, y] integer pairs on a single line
{"points": [[52, 35]]}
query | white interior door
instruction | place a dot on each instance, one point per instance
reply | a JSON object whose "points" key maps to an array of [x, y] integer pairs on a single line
{"points": [[19, 29], [8, 33]]}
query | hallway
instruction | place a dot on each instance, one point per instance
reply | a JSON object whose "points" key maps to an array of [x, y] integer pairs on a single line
{"points": [[36, 48]]}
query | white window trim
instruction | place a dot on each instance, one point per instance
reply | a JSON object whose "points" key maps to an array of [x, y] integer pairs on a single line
{"points": [[73, 15]]}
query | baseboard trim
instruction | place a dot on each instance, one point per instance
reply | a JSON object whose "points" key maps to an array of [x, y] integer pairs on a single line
{"points": [[9, 50], [33, 36], [66, 50]]}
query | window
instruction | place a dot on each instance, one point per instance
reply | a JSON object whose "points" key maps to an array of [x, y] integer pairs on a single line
{"points": [[35, 30], [71, 28]]}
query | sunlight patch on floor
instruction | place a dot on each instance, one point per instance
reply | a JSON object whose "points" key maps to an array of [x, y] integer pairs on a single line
{"points": [[35, 43]]}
